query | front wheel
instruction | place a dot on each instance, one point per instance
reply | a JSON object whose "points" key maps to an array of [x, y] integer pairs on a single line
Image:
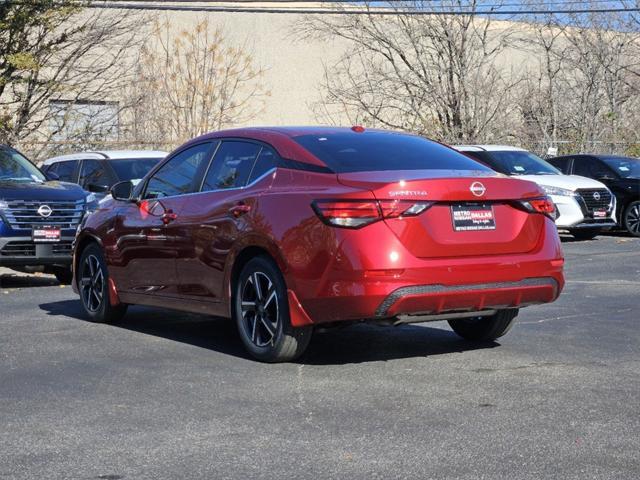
{"points": [[631, 218], [261, 312], [485, 328], [586, 233], [93, 281]]}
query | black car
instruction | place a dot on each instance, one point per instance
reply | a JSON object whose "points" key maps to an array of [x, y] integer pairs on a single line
{"points": [[620, 174], [39, 216]]}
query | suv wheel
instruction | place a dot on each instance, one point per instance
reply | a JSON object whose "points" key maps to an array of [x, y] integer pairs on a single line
{"points": [[586, 233], [261, 312], [64, 275], [485, 328], [631, 218], [93, 281]]}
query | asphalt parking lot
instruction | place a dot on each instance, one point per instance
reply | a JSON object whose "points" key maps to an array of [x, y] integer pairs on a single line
{"points": [[169, 395]]}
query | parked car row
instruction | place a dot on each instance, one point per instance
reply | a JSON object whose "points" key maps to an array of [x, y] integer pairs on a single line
{"points": [[287, 229]]}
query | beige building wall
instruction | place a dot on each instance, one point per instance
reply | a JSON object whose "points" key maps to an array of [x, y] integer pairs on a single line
{"points": [[293, 66]]}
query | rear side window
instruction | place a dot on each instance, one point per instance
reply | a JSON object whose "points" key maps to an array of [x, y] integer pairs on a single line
{"points": [[180, 174], [562, 163], [65, 170], [265, 162], [374, 151], [231, 165]]}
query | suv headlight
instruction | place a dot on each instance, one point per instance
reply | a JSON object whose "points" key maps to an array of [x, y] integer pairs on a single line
{"points": [[561, 192], [90, 202]]}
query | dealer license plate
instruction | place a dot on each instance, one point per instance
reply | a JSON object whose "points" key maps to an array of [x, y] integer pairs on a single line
{"points": [[45, 234], [472, 217]]}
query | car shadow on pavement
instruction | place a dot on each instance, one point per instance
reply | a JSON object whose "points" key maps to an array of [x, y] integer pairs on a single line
{"points": [[27, 281], [351, 344]]}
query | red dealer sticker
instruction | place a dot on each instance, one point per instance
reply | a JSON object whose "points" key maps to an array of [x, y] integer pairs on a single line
{"points": [[472, 217]]}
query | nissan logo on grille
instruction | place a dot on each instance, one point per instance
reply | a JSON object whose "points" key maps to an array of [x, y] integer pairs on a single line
{"points": [[596, 196], [477, 189], [44, 211]]}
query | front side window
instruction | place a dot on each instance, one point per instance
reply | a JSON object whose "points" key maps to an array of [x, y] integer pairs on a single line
{"points": [[180, 174], [231, 165], [93, 172], [16, 168], [134, 168]]}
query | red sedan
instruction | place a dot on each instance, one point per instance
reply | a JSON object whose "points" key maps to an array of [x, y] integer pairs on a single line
{"points": [[285, 229]]}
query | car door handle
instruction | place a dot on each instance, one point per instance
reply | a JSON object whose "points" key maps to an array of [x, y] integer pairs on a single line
{"points": [[239, 209], [168, 217]]}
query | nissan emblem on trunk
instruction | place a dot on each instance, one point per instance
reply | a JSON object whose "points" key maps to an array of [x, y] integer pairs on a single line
{"points": [[477, 189], [44, 211]]}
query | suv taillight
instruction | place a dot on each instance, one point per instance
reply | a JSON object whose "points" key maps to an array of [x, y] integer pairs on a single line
{"points": [[358, 213]]}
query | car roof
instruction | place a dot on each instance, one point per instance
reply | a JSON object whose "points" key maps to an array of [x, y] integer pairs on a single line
{"points": [[107, 155], [488, 148], [281, 138]]}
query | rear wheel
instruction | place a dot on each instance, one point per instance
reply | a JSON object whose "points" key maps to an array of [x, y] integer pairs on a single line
{"points": [[93, 281], [631, 218], [485, 328], [261, 312], [586, 233]]}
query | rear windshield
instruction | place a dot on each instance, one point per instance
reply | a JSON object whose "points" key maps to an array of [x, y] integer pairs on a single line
{"points": [[374, 151], [520, 163], [133, 169]]}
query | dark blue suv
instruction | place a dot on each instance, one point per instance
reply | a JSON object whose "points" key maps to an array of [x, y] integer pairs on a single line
{"points": [[38, 217]]}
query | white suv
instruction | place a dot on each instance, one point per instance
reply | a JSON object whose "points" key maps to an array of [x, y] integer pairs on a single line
{"points": [[98, 171], [585, 206]]}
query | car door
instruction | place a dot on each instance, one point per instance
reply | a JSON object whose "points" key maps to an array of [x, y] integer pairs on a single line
{"points": [[150, 236], [221, 213]]}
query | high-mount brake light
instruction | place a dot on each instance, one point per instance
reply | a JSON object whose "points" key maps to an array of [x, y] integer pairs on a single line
{"points": [[543, 205], [358, 213]]}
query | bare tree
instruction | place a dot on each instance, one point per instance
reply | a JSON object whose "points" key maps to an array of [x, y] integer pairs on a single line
{"points": [[56, 54], [193, 81], [581, 88], [433, 74]]}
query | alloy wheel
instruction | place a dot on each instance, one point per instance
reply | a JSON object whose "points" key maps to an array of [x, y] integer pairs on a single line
{"points": [[633, 219], [260, 309], [92, 283]]}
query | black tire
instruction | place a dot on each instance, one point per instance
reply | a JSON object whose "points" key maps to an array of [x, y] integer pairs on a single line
{"points": [[64, 275], [93, 281], [586, 233], [485, 329], [262, 314], [631, 218]]}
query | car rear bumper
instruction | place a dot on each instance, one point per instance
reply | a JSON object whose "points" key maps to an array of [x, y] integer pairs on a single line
{"points": [[22, 252], [363, 284]]}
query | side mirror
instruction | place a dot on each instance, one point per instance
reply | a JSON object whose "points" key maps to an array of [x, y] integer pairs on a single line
{"points": [[92, 187], [122, 191]]}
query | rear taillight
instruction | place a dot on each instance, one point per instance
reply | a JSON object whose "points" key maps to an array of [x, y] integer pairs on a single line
{"points": [[358, 213], [542, 205]]}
